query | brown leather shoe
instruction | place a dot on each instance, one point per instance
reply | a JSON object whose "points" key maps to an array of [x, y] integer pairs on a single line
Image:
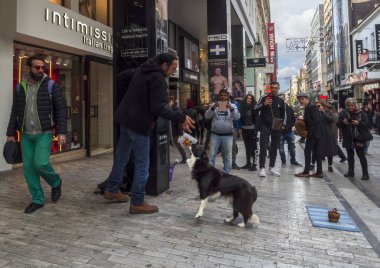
{"points": [[317, 175], [118, 196], [302, 175], [143, 208]]}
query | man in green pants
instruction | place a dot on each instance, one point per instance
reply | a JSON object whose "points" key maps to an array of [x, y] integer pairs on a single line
{"points": [[38, 107]]}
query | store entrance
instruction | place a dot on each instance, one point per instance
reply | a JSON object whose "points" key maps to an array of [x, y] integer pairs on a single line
{"points": [[101, 108]]}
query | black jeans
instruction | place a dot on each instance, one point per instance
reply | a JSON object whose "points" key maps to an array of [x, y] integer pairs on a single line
{"points": [[250, 143], [265, 133], [179, 147], [312, 145], [351, 159]]}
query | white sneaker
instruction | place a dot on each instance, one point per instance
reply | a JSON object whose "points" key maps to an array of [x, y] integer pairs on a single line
{"points": [[273, 172], [262, 173]]}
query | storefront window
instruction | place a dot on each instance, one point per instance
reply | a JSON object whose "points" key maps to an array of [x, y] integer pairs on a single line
{"points": [[65, 70], [95, 9]]}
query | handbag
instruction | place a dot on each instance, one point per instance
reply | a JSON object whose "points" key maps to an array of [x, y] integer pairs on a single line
{"points": [[277, 122], [360, 133], [12, 152]]}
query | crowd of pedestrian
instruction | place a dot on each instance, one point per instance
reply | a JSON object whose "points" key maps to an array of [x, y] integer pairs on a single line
{"points": [[264, 125]]}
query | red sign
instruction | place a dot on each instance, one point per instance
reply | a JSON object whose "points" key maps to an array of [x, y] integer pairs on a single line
{"points": [[271, 43]]}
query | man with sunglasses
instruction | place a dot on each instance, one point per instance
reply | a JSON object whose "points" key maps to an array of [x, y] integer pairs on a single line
{"points": [[36, 112]]}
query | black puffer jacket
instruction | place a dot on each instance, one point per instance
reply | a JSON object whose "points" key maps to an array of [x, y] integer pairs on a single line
{"points": [[145, 100], [51, 109]]}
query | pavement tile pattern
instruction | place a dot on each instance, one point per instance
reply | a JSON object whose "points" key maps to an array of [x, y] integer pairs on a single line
{"points": [[85, 230]]}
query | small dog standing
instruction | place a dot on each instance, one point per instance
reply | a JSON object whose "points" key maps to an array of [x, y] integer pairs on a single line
{"points": [[214, 183]]}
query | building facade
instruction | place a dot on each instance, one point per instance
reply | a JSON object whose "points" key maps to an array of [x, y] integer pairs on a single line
{"points": [[76, 41]]}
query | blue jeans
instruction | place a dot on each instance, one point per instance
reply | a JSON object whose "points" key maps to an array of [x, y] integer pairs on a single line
{"points": [[225, 142], [140, 144], [290, 140]]}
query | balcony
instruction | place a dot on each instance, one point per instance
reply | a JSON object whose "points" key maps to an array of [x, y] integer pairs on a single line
{"points": [[369, 59]]}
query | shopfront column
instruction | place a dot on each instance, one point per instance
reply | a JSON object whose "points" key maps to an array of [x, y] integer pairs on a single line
{"points": [[219, 45]]}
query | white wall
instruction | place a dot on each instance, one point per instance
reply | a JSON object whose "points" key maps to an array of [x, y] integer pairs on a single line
{"points": [[7, 25], [6, 92]]}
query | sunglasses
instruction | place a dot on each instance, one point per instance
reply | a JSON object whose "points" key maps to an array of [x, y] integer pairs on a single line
{"points": [[39, 67]]}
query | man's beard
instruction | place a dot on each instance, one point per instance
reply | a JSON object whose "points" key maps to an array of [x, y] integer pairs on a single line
{"points": [[37, 77]]}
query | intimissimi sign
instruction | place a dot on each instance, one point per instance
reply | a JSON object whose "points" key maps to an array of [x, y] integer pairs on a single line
{"points": [[92, 35]]}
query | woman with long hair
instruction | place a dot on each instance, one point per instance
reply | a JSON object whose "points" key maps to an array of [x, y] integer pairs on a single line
{"points": [[353, 122], [249, 132]]}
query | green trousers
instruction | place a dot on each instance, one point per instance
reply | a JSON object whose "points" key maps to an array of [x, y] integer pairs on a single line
{"points": [[35, 158]]}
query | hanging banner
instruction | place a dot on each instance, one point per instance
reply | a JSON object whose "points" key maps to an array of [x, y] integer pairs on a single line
{"points": [[271, 43], [377, 33]]}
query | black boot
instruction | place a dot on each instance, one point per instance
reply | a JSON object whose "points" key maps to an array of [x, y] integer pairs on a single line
{"points": [[365, 176], [350, 173], [253, 168], [247, 166]]}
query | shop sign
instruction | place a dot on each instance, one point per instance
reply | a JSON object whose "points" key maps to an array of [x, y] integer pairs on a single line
{"points": [[256, 62], [268, 69], [271, 43], [190, 77], [93, 35], [218, 37], [218, 50], [359, 50], [377, 31], [368, 87]]}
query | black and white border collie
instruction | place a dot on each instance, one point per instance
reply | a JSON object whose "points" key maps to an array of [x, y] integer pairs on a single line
{"points": [[213, 183]]}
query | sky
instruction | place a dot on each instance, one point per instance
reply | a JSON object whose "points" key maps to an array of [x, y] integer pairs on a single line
{"points": [[292, 19]]}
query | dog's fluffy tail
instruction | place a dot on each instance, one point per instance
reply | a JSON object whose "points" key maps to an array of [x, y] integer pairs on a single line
{"points": [[254, 219]]}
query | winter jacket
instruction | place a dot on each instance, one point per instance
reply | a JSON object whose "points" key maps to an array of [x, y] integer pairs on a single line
{"points": [[248, 115], [222, 121], [278, 107], [290, 119], [312, 118], [51, 108], [146, 99], [361, 116]]}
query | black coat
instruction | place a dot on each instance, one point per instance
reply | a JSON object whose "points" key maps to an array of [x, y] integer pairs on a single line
{"points": [[290, 119], [361, 116], [248, 114], [312, 119], [51, 109], [265, 117], [327, 141], [146, 99]]}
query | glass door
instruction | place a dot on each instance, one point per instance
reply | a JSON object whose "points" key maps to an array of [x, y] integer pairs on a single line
{"points": [[101, 108]]}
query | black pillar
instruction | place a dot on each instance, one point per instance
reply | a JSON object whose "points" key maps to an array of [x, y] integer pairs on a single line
{"points": [[219, 44], [140, 32]]}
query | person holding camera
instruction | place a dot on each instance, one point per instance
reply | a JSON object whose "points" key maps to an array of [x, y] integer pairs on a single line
{"points": [[222, 113], [354, 124], [272, 119]]}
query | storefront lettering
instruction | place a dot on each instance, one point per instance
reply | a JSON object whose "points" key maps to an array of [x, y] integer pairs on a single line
{"points": [[92, 36]]}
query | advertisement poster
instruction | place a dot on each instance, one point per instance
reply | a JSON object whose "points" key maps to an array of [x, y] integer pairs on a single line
{"points": [[218, 77], [161, 26]]}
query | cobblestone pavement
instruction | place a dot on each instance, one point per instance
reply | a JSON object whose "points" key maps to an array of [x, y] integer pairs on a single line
{"points": [[85, 230]]}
